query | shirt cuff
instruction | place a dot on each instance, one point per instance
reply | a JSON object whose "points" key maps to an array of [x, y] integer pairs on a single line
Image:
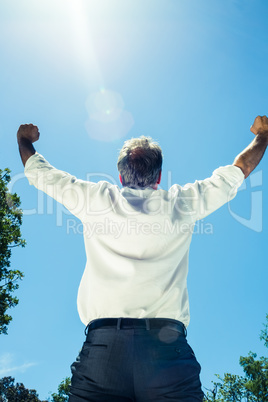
{"points": [[35, 158], [231, 174]]}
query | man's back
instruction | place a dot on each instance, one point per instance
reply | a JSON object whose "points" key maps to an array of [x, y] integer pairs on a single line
{"points": [[136, 240]]}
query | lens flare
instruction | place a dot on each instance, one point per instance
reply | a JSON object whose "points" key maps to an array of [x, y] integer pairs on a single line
{"points": [[108, 121]]}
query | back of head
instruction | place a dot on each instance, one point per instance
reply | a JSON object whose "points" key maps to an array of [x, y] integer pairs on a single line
{"points": [[140, 162]]}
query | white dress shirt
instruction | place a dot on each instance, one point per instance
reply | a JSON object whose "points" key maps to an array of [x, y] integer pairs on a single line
{"points": [[136, 240]]}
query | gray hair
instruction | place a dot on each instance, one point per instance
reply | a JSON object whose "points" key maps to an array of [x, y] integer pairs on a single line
{"points": [[140, 162]]}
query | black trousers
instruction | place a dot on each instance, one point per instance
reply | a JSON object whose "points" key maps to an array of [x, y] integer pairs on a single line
{"points": [[139, 360]]}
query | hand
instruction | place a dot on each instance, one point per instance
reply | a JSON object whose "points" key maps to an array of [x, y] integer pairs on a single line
{"points": [[260, 125], [29, 132]]}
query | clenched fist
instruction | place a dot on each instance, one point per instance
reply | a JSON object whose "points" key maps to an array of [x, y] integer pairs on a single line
{"points": [[260, 125], [29, 132]]}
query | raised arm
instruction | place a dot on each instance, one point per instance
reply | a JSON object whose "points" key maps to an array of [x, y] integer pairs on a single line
{"points": [[26, 135], [63, 187], [248, 159]]}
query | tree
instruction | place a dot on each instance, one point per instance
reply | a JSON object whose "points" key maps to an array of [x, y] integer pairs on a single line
{"points": [[252, 387], [63, 391], [11, 392], [10, 237]]}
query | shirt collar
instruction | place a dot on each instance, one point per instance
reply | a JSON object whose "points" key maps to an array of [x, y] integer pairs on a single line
{"points": [[138, 192]]}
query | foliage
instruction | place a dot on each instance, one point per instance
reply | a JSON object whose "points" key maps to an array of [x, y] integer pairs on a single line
{"points": [[264, 333], [11, 392], [10, 237], [63, 391], [252, 387]]}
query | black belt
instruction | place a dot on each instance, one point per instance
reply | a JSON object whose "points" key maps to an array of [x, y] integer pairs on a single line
{"points": [[132, 323]]}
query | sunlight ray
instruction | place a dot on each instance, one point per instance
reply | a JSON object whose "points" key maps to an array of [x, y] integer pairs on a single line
{"points": [[83, 44]]}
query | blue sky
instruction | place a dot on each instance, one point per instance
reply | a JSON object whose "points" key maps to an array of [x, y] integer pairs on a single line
{"points": [[192, 75]]}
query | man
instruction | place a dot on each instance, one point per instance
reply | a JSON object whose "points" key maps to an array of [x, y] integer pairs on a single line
{"points": [[133, 295]]}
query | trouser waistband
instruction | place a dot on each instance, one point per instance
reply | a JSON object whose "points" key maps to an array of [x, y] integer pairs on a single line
{"points": [[132, 323]]}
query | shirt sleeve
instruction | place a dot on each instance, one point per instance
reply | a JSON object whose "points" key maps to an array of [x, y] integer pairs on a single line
{"points": [[205, 196], [63, 187]]}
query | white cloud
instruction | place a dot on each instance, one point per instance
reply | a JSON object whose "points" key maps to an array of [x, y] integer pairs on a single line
{"points": [[9, 367]]}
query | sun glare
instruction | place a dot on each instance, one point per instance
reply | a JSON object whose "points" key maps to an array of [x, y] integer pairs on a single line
{"points": [[82, 43]]}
